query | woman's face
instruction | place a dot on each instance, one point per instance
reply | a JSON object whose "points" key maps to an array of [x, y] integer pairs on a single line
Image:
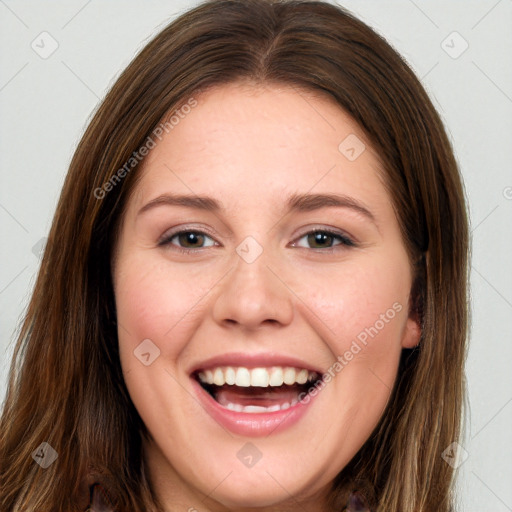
{"points": [[259, 252]]}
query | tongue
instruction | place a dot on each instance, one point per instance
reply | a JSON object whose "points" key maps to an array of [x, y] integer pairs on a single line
{"points": [[264, 397]]}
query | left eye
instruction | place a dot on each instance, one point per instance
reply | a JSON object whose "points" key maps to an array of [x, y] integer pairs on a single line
{"points": [[325, 239], [188, 240]]}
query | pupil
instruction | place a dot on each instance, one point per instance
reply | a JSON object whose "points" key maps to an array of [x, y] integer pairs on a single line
{"points": [[319, 238], [189, 238]]}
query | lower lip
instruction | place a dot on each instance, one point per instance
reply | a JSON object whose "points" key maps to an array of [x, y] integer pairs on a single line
{"points": [[251, 424]]}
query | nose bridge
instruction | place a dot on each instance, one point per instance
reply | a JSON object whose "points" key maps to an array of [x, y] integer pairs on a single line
{"points": [[252, 294]]}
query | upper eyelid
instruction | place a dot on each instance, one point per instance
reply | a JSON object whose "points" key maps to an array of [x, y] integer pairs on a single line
{"points": [[349, 240], [168, 235]]}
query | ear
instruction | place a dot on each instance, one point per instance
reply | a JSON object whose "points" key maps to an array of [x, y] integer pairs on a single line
{"points": [[412, 332]]}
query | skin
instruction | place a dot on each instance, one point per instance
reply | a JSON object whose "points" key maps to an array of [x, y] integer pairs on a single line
{"points": [[250, 147]]}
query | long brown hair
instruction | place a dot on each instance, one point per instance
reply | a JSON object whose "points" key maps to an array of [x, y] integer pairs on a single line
{"points": [[66, 386]]}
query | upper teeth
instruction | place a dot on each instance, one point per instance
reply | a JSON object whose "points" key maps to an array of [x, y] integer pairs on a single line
{"points": [[261, 377]]}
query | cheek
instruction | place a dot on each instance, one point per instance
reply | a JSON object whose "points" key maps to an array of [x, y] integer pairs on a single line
{"points": [[366, 311], [365, 306], [153, 303], [356, 296]]}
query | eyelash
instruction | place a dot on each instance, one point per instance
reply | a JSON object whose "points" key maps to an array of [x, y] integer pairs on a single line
{"points": [[344, 240]]}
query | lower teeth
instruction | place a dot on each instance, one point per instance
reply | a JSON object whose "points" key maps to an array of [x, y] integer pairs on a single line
{"points": [[258, 408]]}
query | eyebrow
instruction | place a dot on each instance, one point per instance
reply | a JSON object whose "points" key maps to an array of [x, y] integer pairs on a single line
{"points": [[189, 201], [295, 202]]}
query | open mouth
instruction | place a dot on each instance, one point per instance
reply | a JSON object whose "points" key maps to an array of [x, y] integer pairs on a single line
{"points": [[256, 390]]}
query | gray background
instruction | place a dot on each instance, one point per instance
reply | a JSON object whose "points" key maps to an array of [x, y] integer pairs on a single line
{"points": [[45, 104]]}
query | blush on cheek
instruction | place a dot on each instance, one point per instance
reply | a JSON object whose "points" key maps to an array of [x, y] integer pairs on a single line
{"points": [[375, 338], [158, 310]]}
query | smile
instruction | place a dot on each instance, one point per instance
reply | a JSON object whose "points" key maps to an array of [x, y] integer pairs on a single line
{"points": [[255, 399], [256, 390]]}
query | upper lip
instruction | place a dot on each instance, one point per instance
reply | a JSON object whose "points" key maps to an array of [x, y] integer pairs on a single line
{"points": [[260, 360]]}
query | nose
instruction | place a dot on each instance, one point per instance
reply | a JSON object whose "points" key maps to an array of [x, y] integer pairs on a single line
{"points": [[253, 295]]}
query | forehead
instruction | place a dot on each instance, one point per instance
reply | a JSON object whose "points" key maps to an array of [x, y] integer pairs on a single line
{"points": [[245, 143]]}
